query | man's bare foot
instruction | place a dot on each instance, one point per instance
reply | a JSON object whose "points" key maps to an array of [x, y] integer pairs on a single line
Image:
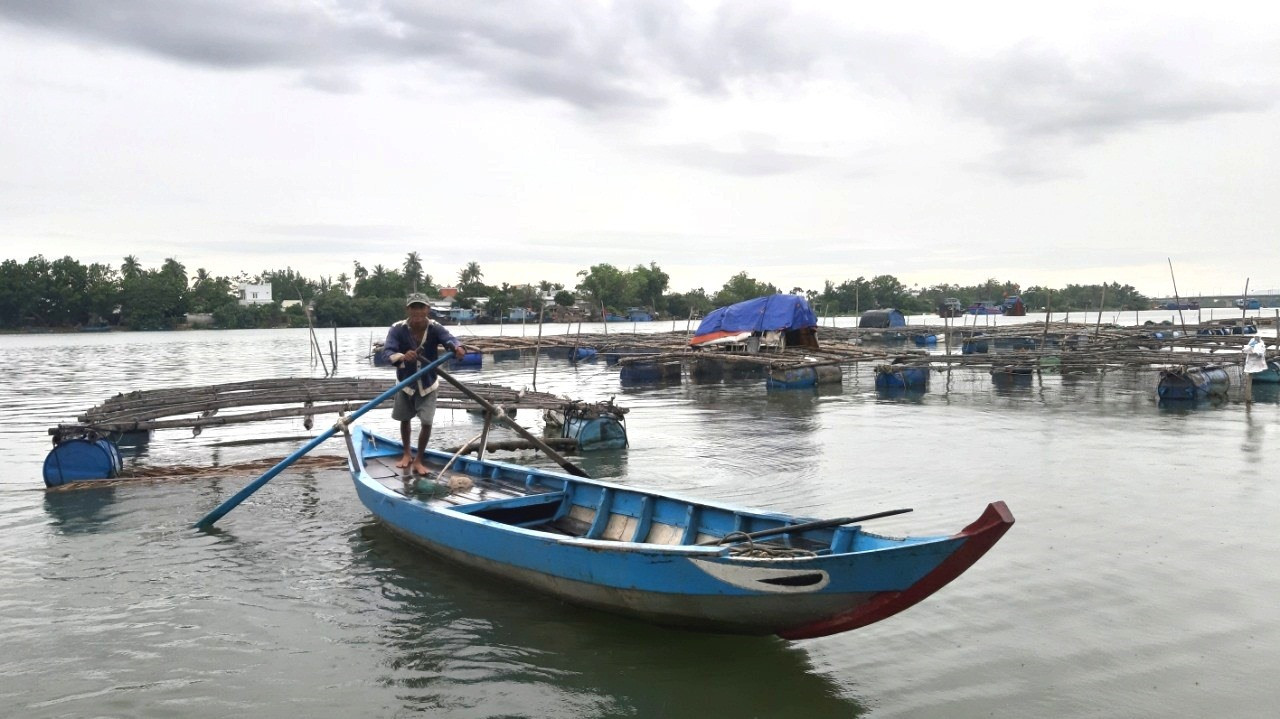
{"points": [[420, 468], [405, 461]]}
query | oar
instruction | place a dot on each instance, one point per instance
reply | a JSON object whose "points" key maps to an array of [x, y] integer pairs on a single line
{"points": [[498, 414], [208, 519], [817, 524]]}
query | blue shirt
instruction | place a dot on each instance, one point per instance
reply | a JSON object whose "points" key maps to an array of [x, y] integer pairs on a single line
{"points": [[400, 340]]}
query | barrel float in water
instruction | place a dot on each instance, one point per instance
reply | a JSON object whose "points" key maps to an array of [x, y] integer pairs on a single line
{"points": [[924, 340], [898, 377], [1192, 383], [470, 359], [802, 377], [583, 354], [81, 458]]}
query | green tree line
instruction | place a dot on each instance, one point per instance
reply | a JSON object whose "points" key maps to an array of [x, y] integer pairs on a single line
{"points": [[66, 293]]}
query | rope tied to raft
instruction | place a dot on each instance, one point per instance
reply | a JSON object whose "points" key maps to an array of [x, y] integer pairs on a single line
{"points": [[747, 547]]}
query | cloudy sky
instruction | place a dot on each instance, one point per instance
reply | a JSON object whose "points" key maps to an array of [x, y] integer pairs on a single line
{"points": [[797, 141]]}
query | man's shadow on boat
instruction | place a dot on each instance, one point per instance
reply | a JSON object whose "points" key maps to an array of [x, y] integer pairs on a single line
{"points": [[442, 611]]}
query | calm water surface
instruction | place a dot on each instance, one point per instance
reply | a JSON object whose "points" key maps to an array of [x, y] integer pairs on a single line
{"points": [[1139, 581]]}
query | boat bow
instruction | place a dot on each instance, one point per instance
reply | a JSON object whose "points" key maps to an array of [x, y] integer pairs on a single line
{"points": [[978, 538]]}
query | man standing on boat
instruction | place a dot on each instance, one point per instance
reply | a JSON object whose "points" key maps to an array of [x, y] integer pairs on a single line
{"points": [[411, 343]]}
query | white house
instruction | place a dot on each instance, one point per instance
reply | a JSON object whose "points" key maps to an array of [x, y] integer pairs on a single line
{"points": [[255, 294]]}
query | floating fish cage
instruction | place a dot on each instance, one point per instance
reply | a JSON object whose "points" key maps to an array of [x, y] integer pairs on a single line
{"points": [[1192, 383], [506, 355], [715, 369], [644, 371], [803, 377], [86, 457], [898, 377], [594, 426]]}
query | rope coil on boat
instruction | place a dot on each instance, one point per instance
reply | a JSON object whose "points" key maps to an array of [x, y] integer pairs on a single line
{"points": [[747, 547]]}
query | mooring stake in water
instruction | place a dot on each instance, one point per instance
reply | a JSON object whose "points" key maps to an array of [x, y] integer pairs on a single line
{"points": [[208, 519]]}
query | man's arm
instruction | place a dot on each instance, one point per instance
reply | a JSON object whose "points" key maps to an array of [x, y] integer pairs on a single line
{"points": [[393, 348]]}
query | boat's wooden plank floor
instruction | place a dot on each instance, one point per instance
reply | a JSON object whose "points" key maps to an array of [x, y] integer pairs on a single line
{"points": [[385, 471]]}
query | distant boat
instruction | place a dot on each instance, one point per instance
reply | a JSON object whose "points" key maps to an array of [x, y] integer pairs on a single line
{"points": [[950, 307], [1189, 305], [638, 314], [659, 557], [1248, 303], [982, 307], [1013, 306]]}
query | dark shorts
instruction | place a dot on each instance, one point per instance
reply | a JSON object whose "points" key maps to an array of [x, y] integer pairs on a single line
{"points": [[408, 405]]}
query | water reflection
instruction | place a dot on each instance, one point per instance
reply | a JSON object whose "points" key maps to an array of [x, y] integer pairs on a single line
{"points": [[80, 510], [458, 639]]}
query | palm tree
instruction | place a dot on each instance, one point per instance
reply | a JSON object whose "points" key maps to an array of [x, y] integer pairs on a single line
{"points": [[360, 272], [175, 269], [469, 274], [202, 276], [131, 268], [344, 282], [413, 270]]}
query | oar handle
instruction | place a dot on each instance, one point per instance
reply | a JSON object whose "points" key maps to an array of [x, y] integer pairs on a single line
{"points": [[560, 459], [207, 520], [803, 527]]}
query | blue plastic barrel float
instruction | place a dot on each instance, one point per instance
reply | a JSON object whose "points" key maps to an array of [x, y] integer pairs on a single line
{"points": [[470, 359], [898, 377], [1192, 383], [582, 354], [925, 340], [596, 433], [81, 458], [803, 377], [973, 346]]}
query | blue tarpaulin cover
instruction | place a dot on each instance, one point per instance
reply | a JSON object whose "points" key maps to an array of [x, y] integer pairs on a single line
{"points": [[762, 314]]}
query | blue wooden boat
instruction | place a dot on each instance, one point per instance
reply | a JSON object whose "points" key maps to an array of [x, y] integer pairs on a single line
{"points": [[659, 557], [1192, 383], [900, 377]]}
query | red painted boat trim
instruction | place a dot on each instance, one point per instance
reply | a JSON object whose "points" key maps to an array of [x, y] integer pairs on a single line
{"points": [[979, 537]]}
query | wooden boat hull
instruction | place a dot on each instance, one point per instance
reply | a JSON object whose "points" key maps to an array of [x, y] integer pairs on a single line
{"points": [[636, 552]]}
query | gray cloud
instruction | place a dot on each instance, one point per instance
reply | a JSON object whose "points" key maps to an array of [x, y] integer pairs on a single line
{"points": [[628, 57], [1038, 99]]}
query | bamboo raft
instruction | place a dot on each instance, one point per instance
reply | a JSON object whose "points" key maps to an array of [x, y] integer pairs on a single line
{"points": [[1039, 345], [204, 406]]}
